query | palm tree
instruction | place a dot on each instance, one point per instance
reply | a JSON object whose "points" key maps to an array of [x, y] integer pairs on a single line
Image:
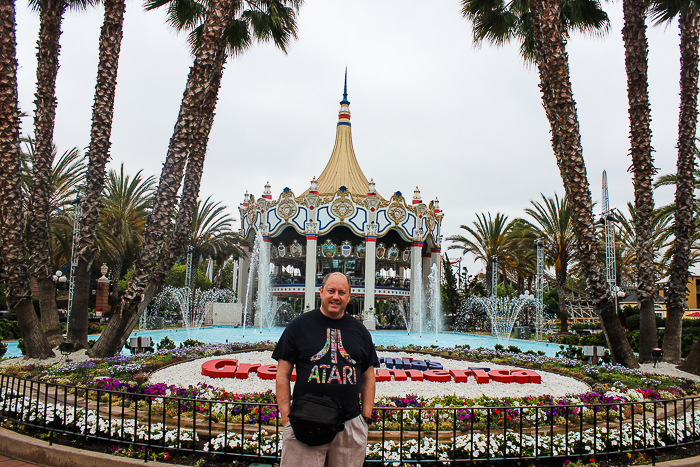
{"points": [[51, 15], [634, 35], [65, 176], [487, 239], [543, 28], [12, 249], [125, 206], [190, 138], [98, 155], [553, 225], [683, 226]]}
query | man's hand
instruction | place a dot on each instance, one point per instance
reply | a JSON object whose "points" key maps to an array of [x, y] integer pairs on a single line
{"points": [[366, 391], [283, 386]]}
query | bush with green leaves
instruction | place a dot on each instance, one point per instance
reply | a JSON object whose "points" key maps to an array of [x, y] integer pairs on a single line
{"points": [[9, 329], [191, 343], [3, 349], [166, 343]]}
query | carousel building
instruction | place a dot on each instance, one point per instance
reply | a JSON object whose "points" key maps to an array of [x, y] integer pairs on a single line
{"points": [[385, 245]]}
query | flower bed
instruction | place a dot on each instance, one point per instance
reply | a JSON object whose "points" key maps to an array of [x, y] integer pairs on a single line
{"points": [[411, 427]]}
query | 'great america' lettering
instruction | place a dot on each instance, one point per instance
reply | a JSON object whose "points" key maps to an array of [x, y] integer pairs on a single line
{"points": [[230, 368]]}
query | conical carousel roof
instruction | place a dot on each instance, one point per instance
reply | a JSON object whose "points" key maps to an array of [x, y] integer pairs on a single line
{"points": [[342, 168]]}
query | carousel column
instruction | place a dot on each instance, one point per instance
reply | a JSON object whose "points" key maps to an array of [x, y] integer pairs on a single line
{"points": [[416, 283], [263, 268], [370, 273], [243, 273], [310, 284], [311, 199], [427, 263], [435, 259]]}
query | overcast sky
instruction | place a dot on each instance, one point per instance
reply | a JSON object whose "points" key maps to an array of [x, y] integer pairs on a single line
{"points": [[463, 123]]}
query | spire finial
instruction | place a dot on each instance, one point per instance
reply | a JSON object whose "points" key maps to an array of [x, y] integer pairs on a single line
{"points": [[345, 89]]}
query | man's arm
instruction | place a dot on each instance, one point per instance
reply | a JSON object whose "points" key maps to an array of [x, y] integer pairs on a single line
{"points": [[366, 391], [283, 380]]}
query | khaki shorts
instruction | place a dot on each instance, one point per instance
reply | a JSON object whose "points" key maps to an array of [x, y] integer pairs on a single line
{"points": [[348, 449]]}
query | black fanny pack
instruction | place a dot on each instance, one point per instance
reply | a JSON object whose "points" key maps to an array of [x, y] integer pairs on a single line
{"points": [[316, 420]]}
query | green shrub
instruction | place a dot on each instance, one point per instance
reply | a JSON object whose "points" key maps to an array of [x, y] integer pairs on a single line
{"points": [[594, 339], [166, 343], [9, 329], [94, 328], [3, 349], [633, 322], [191, 343], [20, 345]]}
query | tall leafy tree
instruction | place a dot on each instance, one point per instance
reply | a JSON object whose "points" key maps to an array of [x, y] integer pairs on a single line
{"points": [[125, 206], [557, 96], [13, 267], [97, 155], [552, 223], [634, 36], [542, 28], [51, 14], [65, 175], [683, 225], [487, 238], [212, 37]]}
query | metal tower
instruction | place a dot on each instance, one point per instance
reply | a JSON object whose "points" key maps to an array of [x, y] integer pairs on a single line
{"points": [[77, 219], [539, 290], [494, 276], [609, 220]]}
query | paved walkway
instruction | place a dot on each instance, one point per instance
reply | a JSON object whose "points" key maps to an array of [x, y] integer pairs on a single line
{"points": [[10, 462]]}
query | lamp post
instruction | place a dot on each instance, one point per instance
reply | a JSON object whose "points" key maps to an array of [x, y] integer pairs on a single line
{"points": [[58, 278]]}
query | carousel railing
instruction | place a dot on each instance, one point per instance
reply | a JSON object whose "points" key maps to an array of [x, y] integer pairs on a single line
{"points": [[420, 435]]}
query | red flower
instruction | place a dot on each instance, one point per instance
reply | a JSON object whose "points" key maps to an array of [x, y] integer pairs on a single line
{"points": [[166, 456]]}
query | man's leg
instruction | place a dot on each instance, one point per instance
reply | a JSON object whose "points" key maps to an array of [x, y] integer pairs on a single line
{"points": [[295, 453], [349, 447]]}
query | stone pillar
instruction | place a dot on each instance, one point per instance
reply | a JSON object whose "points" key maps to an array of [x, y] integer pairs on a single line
{"points": [[102, 296], [310, 284], [416, 283], [370, 276]]}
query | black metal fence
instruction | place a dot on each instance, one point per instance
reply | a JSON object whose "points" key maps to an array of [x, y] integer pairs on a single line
{"points": [[419, 435]]}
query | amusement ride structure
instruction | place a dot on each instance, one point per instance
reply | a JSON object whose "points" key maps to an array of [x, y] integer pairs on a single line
{"points": [[386, 246]]}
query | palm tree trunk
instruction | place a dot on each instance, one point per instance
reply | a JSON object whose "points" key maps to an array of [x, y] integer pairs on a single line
{"points": [[204, 73], [557, 97], [12, 249], [51, 16], [684, 222], [98, 155], [634, 35], [561, 290]]}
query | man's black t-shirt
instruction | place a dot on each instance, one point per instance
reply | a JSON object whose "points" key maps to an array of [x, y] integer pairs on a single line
{"points": [[330, 356]]}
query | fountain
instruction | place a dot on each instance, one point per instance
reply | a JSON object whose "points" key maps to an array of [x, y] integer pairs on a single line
{"points": [[194, 305], [434, 298], [260, 270], [502, 312]]}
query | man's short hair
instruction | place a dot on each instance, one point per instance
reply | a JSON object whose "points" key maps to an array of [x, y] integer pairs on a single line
{"points": [[325, 279]]}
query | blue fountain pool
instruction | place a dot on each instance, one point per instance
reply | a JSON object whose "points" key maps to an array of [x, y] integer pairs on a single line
{"points": [[383, 338]]}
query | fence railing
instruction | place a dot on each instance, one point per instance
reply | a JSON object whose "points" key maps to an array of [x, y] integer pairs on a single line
{"points": [[421, 435]]}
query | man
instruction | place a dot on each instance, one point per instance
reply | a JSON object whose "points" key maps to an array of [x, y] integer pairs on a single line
{"points": [[334, 357]]}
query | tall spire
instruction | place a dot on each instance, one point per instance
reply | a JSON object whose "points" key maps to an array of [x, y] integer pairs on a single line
{"points": [[345, 90], [342, 168]]}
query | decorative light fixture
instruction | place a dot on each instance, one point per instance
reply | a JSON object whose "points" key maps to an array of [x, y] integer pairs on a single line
{"points": [[314, 186], [416, 196], [372, 186]]}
